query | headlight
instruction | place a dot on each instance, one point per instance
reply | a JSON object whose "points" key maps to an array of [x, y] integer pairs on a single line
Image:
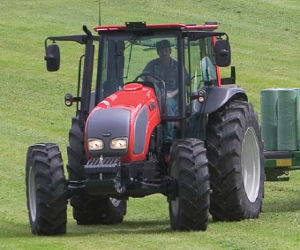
{"points": [[119, 143], [95, 144]]}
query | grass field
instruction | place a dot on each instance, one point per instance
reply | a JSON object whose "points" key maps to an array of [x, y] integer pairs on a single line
{"points": [[264, 36]]}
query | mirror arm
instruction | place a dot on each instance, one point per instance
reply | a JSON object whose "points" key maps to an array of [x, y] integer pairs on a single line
{"points": [[82, 39], [231, 79], [87, 31]]}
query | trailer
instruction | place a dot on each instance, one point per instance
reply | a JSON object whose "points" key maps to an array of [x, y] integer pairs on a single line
{"points": [[280, 124]]}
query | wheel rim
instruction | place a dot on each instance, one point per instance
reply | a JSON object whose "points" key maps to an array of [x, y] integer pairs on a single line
{"points": [[250, 160], [32, 194], [174, 203], [115, 202]]}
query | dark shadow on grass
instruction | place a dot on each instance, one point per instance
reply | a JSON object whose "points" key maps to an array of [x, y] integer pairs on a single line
{"points": [[130, 227], [18, 230], [127, 227], [147, 223], [288, 203]]}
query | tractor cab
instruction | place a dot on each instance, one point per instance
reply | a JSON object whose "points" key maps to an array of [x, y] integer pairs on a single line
{"points": [[177, 61]]}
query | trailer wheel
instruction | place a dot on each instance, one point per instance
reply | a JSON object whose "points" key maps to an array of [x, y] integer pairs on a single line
{"points": [[236, 163], [188, 165], [88, 209], [46, 190]]}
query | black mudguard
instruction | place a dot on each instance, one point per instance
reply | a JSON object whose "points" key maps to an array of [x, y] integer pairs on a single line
{"points": [[214, 99]]}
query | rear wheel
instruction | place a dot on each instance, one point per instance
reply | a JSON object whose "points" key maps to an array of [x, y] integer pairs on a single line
{"points": [[46, 190], [236, 163], [189, 210], [89, 209]]}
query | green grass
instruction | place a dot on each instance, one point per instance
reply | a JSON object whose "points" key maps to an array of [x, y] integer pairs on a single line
{"points": [[264, 36]]}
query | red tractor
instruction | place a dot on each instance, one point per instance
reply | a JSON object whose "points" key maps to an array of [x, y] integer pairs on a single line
{"points": [[157, 120]]}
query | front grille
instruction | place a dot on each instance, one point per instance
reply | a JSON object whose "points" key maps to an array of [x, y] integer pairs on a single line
{"points": [[104, 161], [103, 165]]}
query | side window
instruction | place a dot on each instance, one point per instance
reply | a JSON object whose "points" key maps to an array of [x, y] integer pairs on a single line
{"points": [[208, 64], [193, 58], [200, 62]]}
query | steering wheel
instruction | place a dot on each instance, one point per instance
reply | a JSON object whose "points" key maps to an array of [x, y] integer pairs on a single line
{"points": [[150, 75], [160, 84]]}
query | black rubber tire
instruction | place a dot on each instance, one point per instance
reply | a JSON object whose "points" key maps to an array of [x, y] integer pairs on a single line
{"points": [[76, 153], [89, 210], [188, 165], [226, 131], [46, 190]]}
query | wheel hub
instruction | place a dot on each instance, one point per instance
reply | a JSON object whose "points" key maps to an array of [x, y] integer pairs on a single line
{"points": [[115, 202]]}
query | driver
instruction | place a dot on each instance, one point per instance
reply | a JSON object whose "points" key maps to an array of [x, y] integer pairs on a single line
{"points": [[166, 68]]}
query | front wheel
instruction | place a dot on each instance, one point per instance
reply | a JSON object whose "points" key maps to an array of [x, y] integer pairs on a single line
{"points": [[46, 190], [236, 162], [189, 209]]}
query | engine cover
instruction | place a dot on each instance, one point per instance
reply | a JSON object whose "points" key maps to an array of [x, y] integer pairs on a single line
{"points": [[132, 113]]}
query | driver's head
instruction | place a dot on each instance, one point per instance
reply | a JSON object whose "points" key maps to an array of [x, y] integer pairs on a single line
{"points": [[163, 48]]}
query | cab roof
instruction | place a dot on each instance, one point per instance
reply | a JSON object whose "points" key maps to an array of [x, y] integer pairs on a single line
{"points": [[208, 26]]}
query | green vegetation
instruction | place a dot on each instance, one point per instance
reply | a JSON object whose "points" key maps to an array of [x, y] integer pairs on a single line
{"points": [[265, 42]]}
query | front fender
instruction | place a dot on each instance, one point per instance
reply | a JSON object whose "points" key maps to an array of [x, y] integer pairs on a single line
{"points": [[214, 99], [217, 97]]}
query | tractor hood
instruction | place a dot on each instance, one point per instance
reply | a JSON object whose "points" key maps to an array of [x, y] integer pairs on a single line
{"points": [[106, 124], [129, 117]]}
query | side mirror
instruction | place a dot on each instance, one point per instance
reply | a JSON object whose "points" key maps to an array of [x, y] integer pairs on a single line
{"points": [[223, 53], [52, 57]]}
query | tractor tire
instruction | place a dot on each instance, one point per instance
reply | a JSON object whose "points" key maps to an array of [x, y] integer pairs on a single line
{"points": [[89, 210], [188, 165], [46, 190], [236, 162], [76, 152]]}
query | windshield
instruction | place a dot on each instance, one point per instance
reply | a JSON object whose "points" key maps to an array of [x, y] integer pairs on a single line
{"points": [[125, 56]]}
